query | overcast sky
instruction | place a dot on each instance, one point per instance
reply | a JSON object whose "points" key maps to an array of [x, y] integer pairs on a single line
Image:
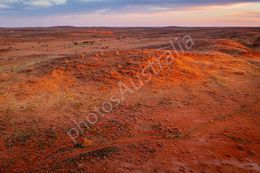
{"points": [[17, 13]]}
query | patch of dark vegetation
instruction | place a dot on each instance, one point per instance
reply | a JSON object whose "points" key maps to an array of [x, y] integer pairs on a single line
{"points": [[5, 50], [256, 63], [45, 67], [96, 154], [88, 43], [256, 43], [3, 127], [167, 132], [85, 43], [45, 45], [237, 139], [19, 138], [78, 145]]}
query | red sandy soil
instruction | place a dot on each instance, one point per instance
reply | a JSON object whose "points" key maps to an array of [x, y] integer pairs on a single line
{"points": [[201, 114]]}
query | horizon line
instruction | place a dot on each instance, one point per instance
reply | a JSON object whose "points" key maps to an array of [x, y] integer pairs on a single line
{"points": [[64, 26]]}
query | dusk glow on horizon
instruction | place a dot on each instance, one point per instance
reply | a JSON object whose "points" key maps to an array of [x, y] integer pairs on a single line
{"points": [[32, 13]]}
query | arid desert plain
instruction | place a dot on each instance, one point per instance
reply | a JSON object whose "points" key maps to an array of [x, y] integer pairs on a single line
{"points": [[125, 100]]}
